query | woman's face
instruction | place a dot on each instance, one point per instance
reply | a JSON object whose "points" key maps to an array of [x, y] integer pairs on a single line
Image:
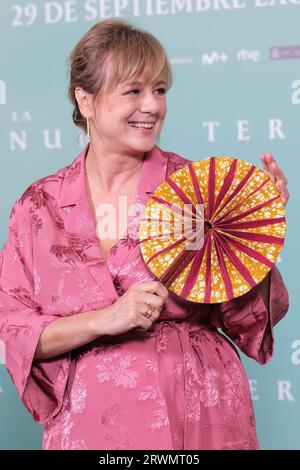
{"points": [[117, 117]]}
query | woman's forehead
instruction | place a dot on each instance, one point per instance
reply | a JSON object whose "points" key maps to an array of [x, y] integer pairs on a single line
{"points": [[124, 76]]}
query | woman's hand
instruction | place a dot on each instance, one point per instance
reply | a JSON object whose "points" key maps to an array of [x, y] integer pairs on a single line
{"points": [[127, 312], [272, 170]]}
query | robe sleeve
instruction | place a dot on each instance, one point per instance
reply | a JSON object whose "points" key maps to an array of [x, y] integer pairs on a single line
{"points": [[41, 384], [247, 321]]}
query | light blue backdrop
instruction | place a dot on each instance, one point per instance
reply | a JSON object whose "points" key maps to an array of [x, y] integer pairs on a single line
{"points": [[236, 92]]}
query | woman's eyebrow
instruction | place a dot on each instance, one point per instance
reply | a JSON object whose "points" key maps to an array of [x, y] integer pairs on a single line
{"points": [[136, 83]]}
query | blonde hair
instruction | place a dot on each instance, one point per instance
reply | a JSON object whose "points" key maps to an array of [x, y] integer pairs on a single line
{"points": [[114, 50]]}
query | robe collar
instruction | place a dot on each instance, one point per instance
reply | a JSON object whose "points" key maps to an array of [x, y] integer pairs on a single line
{"points": [[79, 221], [74, 186]]}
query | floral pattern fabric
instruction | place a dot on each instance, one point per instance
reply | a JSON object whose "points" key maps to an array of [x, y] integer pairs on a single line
{"points": [[179, 385]]}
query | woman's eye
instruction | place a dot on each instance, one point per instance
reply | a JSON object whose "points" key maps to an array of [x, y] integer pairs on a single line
{"points": [[162, 91]]}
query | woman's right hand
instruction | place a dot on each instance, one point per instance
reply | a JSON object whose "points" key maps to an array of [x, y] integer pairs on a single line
{"points": [[127, 312]]}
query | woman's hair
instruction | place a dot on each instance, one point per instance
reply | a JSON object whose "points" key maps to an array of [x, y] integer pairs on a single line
{"points": [[113, 49]]}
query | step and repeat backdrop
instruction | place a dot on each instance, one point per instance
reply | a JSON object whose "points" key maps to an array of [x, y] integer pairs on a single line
{"points": [[236, 92]]}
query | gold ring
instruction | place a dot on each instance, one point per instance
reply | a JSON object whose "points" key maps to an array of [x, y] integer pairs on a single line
{"points": [[148, 313]]}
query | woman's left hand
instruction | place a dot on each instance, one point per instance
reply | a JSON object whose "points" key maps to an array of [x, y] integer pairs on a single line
{"points": [[272, 170]]}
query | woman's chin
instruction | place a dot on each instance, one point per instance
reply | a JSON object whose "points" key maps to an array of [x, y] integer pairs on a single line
{"points": [[145, 145]]}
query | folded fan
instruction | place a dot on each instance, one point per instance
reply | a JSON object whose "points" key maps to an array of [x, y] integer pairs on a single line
{"points": [[213, 229]]}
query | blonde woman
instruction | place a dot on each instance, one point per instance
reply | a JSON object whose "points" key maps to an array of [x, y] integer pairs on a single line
{"points": [[100, 352]]}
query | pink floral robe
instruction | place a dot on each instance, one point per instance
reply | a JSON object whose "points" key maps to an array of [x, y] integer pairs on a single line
{"points": [[180, 385]]}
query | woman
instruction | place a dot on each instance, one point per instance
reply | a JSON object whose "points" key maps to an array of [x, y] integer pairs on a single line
{"points": [[99, 351]]}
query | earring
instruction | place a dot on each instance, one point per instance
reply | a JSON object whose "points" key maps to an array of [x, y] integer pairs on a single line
{"points": [[88, 127]]}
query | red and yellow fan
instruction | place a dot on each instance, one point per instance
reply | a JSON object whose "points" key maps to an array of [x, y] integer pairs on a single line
{"points": [[213, 229]]}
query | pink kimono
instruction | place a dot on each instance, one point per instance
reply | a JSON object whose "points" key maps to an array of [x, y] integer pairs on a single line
{"points": [[179, 385]]}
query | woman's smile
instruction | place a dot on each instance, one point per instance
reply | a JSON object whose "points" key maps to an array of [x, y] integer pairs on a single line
{"points": [[142, 128]]}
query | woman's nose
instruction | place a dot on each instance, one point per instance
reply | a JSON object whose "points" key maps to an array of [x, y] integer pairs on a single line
{"points": [[150, 103]]}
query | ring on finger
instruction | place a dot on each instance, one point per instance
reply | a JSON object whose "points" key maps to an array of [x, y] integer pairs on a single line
{"points": [[149, 311]]}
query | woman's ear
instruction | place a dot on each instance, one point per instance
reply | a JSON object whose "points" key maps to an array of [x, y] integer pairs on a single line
{"points": [[84, 101]]}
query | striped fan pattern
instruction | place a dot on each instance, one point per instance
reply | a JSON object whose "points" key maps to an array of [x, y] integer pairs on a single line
{"points": [[213, 229]]}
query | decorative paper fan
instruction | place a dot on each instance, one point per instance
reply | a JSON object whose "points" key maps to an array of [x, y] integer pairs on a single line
{"points": [[213, 229]]}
